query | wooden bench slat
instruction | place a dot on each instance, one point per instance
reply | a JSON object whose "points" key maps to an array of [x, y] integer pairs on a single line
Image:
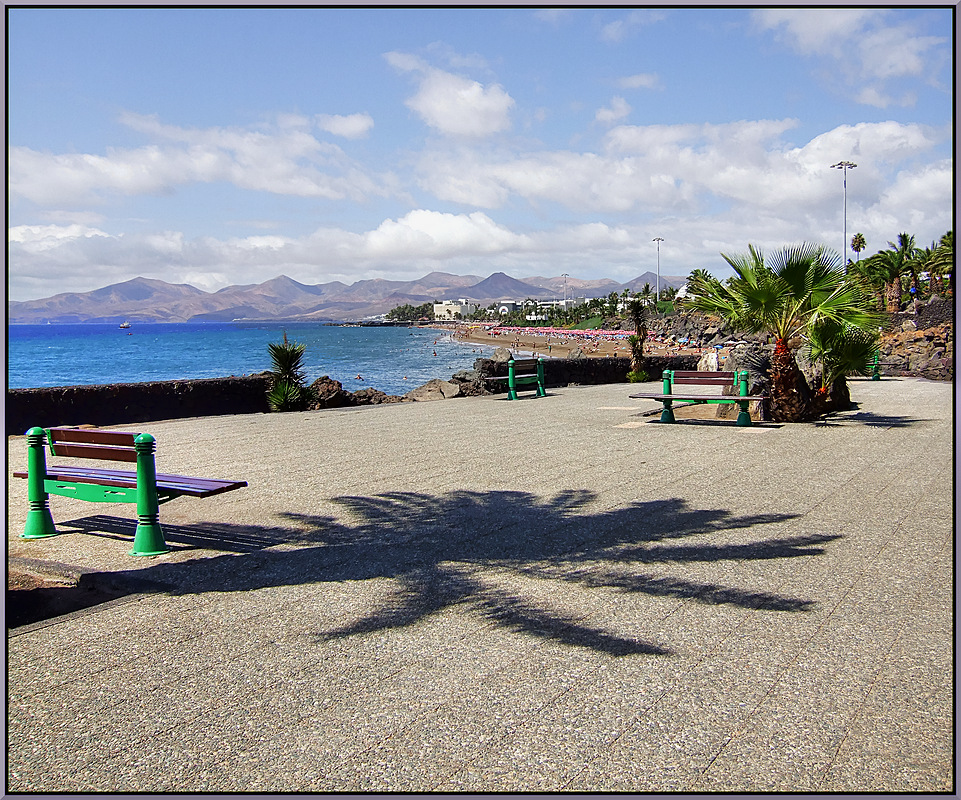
{"points": [[92, 436], [181, 484], [688, 373], [92, 451], [726, 398]]}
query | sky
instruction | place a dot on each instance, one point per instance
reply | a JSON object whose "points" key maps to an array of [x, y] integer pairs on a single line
{"points": [[226, 146]]}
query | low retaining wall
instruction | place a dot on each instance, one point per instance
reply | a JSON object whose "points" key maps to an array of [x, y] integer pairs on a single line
{"points": [[589, 371], [124, 403]]}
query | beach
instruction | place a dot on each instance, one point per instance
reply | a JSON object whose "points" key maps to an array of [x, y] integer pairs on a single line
{"points": [[559, 344]]}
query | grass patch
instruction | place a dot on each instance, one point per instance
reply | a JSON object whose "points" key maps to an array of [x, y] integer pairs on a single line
{"points": [[591, 324]]}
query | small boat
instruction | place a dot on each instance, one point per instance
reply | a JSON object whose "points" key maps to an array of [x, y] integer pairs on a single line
{"points": [[124, 324]]}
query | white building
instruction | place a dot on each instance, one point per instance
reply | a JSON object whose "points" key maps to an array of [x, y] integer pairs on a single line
{"points": [[454, 309]]}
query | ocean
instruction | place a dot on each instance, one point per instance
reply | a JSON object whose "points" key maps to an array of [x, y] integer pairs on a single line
{"points": [[392, 359]]}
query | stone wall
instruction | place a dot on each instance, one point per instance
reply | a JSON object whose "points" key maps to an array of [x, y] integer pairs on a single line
{"points": [[124, 403], [559, 372], [927, 353]]}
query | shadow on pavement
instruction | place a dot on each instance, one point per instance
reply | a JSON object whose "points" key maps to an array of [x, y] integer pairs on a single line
{"points": [[451, 549]]}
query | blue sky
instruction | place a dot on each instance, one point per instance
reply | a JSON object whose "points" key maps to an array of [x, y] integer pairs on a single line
{"points": [[229, 146]]}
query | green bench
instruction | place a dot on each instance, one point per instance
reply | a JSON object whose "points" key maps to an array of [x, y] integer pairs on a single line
{"points": [[673, 378], [874, 367], [516, 376], [143, 486]]}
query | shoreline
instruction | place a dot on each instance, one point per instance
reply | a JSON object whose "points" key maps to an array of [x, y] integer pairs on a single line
{"points": [[559, 344]]}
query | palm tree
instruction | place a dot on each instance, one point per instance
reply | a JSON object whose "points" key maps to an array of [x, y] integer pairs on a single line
{"points": [[637, 312], [858, 244], [786, 295], [943, 262], [891, 265]]}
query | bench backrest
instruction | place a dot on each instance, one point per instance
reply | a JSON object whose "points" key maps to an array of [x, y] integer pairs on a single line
{"points": [[525, 363], [703, 378], [85, 443]]}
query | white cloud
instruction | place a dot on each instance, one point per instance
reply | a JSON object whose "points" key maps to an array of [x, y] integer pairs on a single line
{"points": [[643, 80], [858, 46], [353, 126], [284, 158], [452, 104], [620, 29], [618, 109]]}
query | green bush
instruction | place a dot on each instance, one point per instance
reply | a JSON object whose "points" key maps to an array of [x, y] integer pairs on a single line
{"points": [[637, 376], [288, 389]]}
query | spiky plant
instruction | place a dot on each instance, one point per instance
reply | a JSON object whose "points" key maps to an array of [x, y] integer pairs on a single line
{"points": [[288, 389]]}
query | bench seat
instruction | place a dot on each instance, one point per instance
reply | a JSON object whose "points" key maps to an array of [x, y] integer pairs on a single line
{"points": [[720, 398], [166, 483]]}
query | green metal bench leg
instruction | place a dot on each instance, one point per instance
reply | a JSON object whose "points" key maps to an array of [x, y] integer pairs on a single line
{"points": [[540, 378], [39, 523], [667, 415], [743, 416], [148, 539]]}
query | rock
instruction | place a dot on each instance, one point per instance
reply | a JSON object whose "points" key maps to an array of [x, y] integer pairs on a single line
{"points": [[373, 397], [576, 353], [908, 325], [329, 393], [502, 354], [708, 362], [434, 389]]}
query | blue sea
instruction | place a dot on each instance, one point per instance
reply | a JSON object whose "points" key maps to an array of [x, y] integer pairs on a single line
{"points": [[392, 359]]}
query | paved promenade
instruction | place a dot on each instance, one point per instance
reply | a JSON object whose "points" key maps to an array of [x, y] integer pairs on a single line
{"points": [[481, 595]]}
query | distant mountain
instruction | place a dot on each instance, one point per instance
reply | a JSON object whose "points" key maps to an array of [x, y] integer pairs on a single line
{"points": [[151, 300], [503, 287]]}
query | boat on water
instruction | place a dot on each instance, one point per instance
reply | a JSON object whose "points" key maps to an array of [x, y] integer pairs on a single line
{"points": [[125, 324]]}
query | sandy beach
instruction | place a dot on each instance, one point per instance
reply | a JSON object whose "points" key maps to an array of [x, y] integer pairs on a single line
{"points": [[560, 345]]}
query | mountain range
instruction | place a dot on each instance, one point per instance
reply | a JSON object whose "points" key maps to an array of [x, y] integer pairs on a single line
{"points": [[151, 300]]}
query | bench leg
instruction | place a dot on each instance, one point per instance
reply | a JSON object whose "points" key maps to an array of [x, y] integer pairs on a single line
{"points": [[148, 539], [667, 415], [743, 416], [39, 523]]}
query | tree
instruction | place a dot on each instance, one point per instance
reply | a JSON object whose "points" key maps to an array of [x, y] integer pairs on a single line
{"points": [[890, 266], [637, 312], [943, 262], [787, 295], [858, 244]]}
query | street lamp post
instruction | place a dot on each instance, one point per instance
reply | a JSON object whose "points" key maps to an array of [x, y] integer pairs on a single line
{"points": [[844, 166], [657, 285]]}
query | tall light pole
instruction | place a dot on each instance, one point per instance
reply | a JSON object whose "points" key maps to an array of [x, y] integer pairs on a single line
{"points": [[657, 285], [844, 166]]}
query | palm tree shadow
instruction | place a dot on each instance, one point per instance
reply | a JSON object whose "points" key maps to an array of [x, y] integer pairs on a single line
{"points": [[444, 551]]}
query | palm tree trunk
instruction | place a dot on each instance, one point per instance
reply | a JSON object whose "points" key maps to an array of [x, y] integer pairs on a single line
{"points": [[790, 397], [893, 295]]}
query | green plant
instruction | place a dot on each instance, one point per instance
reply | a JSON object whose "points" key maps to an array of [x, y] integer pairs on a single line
{"points": [[288, 377], [638, 376], [789, 295]]}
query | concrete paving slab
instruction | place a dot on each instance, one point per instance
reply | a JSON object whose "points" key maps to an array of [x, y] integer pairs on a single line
{"points": [[416, 598]]}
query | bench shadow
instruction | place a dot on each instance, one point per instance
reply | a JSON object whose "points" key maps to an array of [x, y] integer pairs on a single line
{"points": [[869, 420], [717, 423], [210, 536], [464, 548]]}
